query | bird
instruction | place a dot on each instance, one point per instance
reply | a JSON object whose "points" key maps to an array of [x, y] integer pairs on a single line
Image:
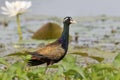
{"points": [[55, 51]]}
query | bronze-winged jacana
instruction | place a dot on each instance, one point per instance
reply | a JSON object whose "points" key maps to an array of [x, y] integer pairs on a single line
{"points": [[53, 52]]}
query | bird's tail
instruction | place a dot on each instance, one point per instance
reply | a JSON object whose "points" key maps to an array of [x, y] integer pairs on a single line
{"points": [[35, 59], [34, 62]]}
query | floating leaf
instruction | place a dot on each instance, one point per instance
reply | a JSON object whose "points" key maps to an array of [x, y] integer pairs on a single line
{"points": [[81, 54], [99, 59], [18, 54]]}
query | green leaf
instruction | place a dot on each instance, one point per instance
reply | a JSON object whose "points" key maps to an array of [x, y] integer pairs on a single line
{"points": [[116, 61], [71, 72], [69, 58], [53, 66], [4, 77], [100, 67], [4, 62]]}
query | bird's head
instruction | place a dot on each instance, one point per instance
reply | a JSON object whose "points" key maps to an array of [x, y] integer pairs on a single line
{"points": [[68, 20]]}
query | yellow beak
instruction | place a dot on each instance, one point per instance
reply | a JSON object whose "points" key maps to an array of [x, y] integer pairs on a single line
{"points": [[73, 21]]}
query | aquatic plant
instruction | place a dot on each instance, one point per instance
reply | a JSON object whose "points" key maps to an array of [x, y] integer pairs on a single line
{"points": [[16, 8], [67, 69], [48, 31]]}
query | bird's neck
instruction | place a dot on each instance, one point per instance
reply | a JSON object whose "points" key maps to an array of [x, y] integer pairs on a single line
{"points": [[64, 39]]}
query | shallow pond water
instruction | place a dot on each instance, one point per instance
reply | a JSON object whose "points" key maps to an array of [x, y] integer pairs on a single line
{"points": [[94, 34]]}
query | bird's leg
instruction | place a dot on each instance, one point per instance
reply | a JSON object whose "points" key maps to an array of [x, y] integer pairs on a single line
{"points": [[48, 63], [46, 68]]}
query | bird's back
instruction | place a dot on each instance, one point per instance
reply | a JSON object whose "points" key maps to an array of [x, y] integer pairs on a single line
{"points": [[50, 53]]}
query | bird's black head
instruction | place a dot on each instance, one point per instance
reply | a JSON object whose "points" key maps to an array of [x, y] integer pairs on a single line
{"points": [[68, 20]]}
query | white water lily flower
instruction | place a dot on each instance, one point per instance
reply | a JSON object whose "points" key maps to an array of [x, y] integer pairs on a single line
{"points": [[15, 8]]}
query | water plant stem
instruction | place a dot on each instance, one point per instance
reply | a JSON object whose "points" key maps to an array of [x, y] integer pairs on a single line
{"points": [[19, 27]]}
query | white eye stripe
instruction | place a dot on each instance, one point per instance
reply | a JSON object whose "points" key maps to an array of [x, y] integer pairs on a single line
{"points": [[65, 19]]}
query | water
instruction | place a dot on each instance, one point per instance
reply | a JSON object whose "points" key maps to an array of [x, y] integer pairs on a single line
{"points": [[95, 34]]}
